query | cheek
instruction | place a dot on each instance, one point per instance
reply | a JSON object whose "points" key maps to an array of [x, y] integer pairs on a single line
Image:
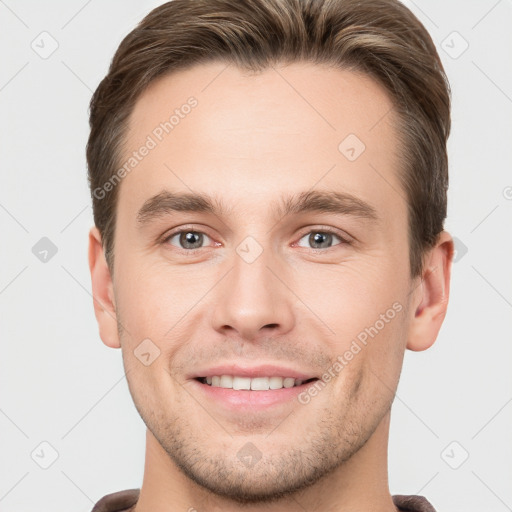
{"points": [[153, 299], [366, 310], [352, 296], [368, 371]]}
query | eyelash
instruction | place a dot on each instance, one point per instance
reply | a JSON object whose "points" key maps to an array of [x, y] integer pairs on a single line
{"points": [[329, 231], [326, 230]]}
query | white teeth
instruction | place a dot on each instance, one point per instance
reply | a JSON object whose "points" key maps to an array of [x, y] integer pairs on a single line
{"points": [[255, 384], [260, 384], [276, 382], [226, 381], [239, 383], [288, 382]]}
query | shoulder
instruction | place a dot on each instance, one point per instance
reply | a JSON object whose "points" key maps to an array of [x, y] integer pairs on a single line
{"points": [[117, 501], [412, 503]]}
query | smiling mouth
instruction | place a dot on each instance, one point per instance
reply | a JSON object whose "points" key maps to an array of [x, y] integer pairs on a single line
{"points": [[252, 384]]}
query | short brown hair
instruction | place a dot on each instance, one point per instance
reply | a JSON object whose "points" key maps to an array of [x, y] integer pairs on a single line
{"points": [[381, 38]]}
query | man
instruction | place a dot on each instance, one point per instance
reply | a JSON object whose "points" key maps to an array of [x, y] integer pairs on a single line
{"points": [[269, 187]]}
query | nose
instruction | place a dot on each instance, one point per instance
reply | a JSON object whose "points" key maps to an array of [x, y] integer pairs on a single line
{"points": [[252, 301]]}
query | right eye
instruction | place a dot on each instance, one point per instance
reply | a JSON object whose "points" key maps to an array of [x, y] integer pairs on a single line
{"points": [[187, 239]]}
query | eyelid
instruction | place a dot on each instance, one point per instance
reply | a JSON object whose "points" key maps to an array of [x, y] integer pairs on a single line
{"points": [[173, 232], [342, 235]]}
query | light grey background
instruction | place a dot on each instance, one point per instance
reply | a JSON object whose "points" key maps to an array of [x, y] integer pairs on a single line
{"points": [[60, 385]]}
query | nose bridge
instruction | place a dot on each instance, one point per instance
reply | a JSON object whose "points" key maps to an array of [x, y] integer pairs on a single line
{"points": [[251, 297]]}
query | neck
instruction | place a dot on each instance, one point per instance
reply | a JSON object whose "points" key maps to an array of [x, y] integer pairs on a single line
{"points": [[359, 484]]}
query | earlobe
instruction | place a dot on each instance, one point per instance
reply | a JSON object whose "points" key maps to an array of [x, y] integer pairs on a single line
{"points": [[432, 297], [102, 291]]}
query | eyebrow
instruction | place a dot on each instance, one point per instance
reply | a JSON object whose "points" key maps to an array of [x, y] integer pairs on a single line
{"points": [[341, 203]]}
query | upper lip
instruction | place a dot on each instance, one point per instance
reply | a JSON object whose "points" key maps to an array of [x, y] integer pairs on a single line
{"points": [[264, 370]]}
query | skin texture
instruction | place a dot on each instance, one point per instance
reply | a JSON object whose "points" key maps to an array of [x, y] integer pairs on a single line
{"points": [[251, 139]]}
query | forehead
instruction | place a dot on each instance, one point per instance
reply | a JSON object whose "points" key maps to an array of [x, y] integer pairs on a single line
{"points": [[244, 136]]}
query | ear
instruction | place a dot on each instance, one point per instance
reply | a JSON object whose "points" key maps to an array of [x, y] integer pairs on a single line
{"points": [[102, 291], [431, 297]]}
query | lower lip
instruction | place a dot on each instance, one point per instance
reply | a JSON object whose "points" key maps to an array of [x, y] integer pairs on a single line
{"points": [[250, 400]]}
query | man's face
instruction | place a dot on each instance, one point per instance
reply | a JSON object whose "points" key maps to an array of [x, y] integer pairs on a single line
{"points": [[253, 285]]}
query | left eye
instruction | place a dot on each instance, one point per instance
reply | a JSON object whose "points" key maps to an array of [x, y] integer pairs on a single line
{"points": [[189, 239], [320, 239]]}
